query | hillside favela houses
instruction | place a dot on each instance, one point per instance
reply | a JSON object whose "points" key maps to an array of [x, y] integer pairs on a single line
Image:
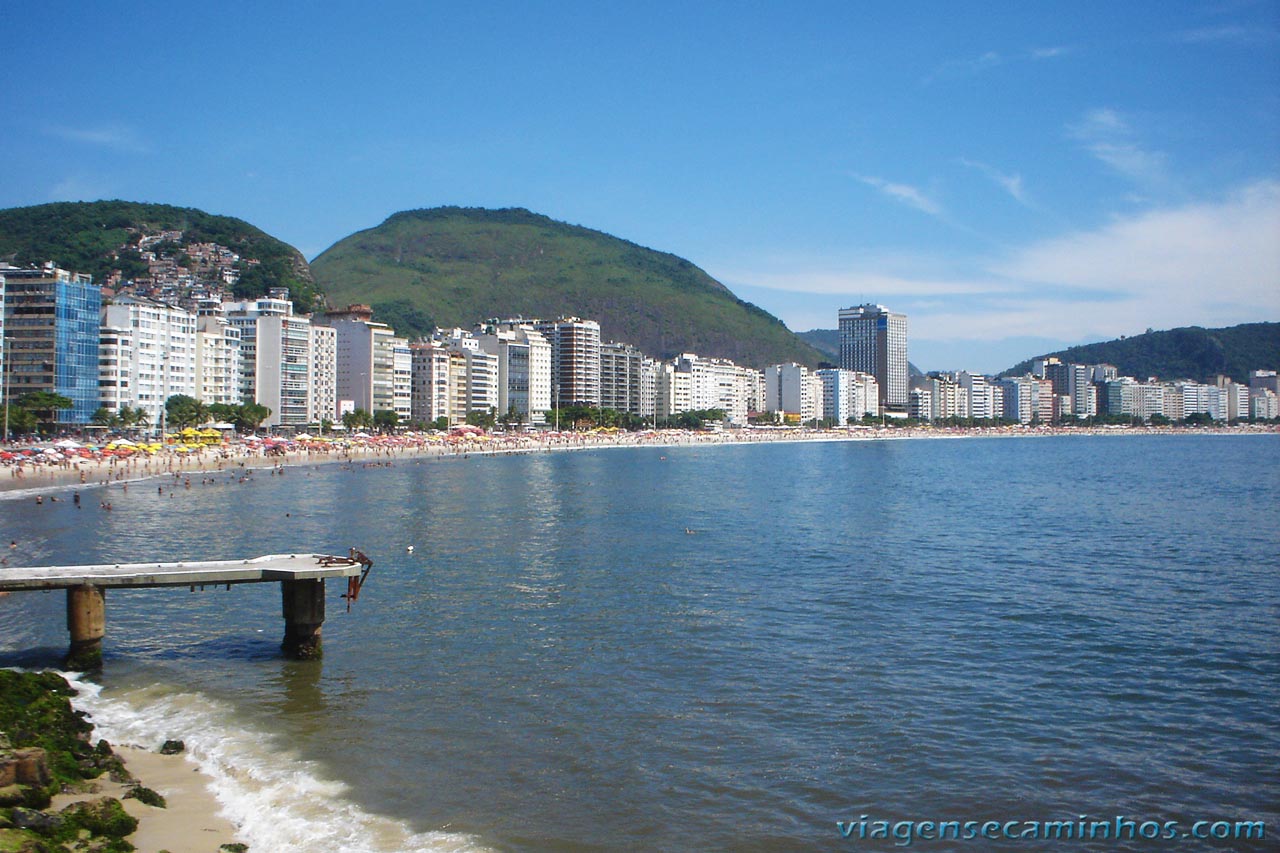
{"points": [[110, 351]]}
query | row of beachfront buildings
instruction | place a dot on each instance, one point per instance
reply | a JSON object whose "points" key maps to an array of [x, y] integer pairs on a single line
{"points": [[131, 351], [60, 335]]}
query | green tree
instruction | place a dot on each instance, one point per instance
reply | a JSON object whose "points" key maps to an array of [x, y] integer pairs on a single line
{"points": [[251, 416], [104, 417], [482, 418], [357, 419], [182, 411], [136, 418], [386, 420], [21, 421], [45, 406], [224, 412]]}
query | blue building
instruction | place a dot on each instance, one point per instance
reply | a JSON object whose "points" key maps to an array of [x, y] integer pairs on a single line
{"points": [[51, 327]]}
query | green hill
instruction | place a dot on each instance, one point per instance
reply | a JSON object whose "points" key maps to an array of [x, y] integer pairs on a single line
{"points": [[88, 236], [1185, 353], [454, 266]]}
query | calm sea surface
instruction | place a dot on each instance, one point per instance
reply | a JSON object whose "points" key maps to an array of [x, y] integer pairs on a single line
{"points": [[720, 648]]}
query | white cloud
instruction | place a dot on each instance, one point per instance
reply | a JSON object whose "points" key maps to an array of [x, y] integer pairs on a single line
{"points": [[904, 193], [973, 66], [1206, 263], [115, 137], [1012, 184], [1048, 52], [1109, 137], [1210, 263], [1230, 34], [875, 285]]}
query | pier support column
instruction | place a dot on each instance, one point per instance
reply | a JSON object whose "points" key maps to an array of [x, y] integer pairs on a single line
{"points": [[87, 622], [303, 615]]}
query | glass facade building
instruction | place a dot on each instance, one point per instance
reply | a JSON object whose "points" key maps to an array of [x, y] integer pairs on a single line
{"points": [[51, 337]]}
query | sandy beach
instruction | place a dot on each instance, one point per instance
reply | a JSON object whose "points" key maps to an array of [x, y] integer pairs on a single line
{"points": [[189, 822], [30, 477]]}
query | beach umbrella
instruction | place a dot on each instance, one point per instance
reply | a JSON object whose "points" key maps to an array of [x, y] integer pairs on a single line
{"points": [[68, 444]]}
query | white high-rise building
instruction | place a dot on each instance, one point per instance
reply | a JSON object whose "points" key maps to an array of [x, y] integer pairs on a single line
{"points": [[674, 391], [482, 381], [621, 366], [524, 368], [275, 351], [401, 380], [848, 395], [982, 399], [790, 390], [218, 357], [115, 368], [366, 361], [873, 340], [718, 383], [324, 374], [430, 382], [163, 353], [575, 359]]}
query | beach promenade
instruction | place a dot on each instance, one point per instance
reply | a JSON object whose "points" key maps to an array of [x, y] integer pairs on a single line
{"points": [[32, 468]]}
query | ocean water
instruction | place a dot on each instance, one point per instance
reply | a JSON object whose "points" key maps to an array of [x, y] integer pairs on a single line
{"points": [[715, 648]]}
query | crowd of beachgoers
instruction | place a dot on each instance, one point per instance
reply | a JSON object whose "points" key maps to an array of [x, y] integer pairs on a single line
{"points": [[68, 461]]}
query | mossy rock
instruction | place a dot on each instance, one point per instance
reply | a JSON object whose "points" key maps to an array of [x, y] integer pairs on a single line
{"points": [[22, 841], [104, 816], [234, 847], [35, 711], [145, 795]]}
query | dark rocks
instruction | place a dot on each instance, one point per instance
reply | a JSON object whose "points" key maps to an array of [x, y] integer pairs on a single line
{"points": [[38, 821], [145, 795], [103, 816], [173, 747]]}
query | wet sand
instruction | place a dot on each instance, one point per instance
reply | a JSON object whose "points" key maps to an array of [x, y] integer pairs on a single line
{"points": [[190, 821]]}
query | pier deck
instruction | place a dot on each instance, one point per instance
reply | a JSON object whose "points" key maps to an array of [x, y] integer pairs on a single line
{"points": [[273, 567], [301, 578]]}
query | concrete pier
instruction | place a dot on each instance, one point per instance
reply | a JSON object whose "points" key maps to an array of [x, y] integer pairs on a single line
{"points": [[301, 578], [303, 616], [87, 623]]}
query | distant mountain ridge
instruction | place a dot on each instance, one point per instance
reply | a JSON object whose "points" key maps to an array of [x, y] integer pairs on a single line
{"points": [[455, 266], [1190, 352], [87, 237]]}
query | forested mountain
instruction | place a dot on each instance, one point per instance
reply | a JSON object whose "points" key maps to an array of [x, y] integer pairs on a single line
{"points": [[101, 238], [1185, 353], [454, 266]]}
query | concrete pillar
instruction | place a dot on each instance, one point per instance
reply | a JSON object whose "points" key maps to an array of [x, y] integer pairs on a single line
{"points": [[303, 602], [87, 622]]}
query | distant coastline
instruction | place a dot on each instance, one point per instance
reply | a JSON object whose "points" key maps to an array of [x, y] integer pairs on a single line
{"points": [[26, 479]]}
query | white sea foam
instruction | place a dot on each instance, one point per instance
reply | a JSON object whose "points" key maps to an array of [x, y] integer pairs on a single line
{"points": [[277, 801]]}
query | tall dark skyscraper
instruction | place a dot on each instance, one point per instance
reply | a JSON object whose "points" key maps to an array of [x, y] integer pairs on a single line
{"points": [[873, 340]]}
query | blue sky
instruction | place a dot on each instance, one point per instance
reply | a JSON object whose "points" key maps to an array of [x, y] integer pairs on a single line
{"points": [[1015, 176]]}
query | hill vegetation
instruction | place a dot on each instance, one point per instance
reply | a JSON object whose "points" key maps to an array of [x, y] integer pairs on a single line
{"points": [[88, 236], [453, 266], [1185, 353]]}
